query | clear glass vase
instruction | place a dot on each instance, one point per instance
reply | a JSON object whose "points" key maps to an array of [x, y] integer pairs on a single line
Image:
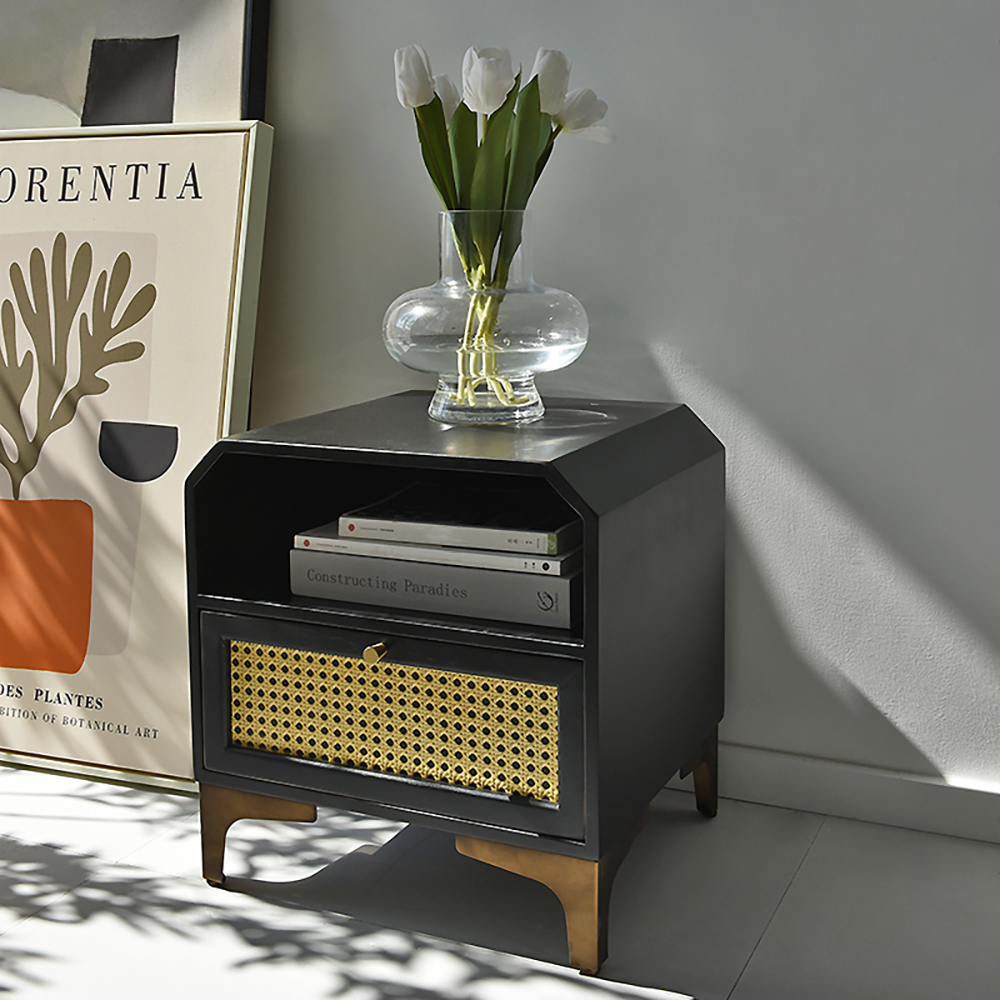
{"points": [[485, 328]]}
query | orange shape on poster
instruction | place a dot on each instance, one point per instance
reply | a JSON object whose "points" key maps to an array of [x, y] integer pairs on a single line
{"points": [[46, 565]]}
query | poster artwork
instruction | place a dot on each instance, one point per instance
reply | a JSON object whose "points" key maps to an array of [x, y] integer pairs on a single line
{"points": [[117, 342]]}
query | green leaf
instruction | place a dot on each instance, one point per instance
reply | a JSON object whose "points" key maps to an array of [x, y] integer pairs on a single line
{"points": [[461, 228], [462, 140], [488, 179], [524, 147], [523, 159], [433, 133]]}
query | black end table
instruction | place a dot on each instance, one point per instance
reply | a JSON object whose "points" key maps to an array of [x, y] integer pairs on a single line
{"points": [[299, 702]]}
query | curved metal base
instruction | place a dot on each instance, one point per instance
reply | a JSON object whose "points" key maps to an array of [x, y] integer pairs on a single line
{"points": [[583, 887], [221, 807]]}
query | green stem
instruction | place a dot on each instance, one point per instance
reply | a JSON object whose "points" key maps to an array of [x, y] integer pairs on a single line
{"points": [[478, 361]]}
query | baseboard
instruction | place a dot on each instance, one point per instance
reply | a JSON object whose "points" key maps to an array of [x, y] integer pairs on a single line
{"points": [[768, 777], [893, 798]]}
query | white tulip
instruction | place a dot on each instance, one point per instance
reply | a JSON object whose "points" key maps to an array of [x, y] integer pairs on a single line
{"points": [[552, 69], [487, 76], [448, 92], [414, 83], [582, 109]]}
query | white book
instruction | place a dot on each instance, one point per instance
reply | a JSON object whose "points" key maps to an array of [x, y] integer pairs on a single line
{"points": [[326, 538], [453, 590], [504, 520]]}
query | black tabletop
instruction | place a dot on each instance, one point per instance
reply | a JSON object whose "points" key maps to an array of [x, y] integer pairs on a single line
{"points": [[400, 424]]}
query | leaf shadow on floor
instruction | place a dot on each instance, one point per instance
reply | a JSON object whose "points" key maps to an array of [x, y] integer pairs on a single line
{"points": [[379, 921]]}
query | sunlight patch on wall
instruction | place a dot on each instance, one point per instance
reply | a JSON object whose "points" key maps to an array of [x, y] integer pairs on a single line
{"points": [[852, 607], [973, 784]]}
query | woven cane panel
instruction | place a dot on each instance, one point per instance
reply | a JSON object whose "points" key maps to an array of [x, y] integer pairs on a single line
{"points": [[437, 725]]}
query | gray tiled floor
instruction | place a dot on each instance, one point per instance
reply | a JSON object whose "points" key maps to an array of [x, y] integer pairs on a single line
{"points": [[100, 896]]}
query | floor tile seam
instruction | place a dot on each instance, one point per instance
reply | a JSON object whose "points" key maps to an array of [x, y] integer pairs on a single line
{"points": [[194, 879], [78, 853], [94, 874], [153, 872], [156, 838], [68, 891], [20, 920], [777, 906], [985, 838], [938, 834], [198, 881]]}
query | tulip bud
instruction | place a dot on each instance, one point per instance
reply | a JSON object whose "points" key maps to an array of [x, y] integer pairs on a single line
{"points": [[448, 92], [414, 84], [582, 109], [552, 69], [487, 77]]}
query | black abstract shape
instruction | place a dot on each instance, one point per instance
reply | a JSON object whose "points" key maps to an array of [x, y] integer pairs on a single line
{"points": [[139, 453], [131, 81]]}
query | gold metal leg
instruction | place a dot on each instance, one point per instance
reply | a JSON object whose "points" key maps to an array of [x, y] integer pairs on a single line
{"points": [[705, 766], [583, 888], [221, 807]]}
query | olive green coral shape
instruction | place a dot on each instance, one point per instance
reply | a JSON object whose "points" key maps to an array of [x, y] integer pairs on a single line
{"points": [[48, 313]]}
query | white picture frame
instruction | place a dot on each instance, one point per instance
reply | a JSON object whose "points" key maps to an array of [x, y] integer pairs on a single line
{"points": [[129, 268]]}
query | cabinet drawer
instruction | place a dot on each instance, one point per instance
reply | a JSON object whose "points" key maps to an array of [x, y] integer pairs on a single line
{"points": [[461, 731]]}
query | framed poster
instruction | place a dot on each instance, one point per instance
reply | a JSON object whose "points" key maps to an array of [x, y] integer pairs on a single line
{"points": [[130, 62], [129, 262]]}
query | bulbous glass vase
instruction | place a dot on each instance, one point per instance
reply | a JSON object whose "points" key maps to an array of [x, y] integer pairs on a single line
{"points": [[485, 329]]}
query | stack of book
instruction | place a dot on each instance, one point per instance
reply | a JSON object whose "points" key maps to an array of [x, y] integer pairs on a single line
{"points": [[508, 555]]}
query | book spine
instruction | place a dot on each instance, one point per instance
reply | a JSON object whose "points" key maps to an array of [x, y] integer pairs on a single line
{"points": [[453, 590], [460, 535], [513, 562]]}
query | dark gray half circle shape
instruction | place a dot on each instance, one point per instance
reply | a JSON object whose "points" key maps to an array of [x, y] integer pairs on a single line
{"points": [[139, 453]]}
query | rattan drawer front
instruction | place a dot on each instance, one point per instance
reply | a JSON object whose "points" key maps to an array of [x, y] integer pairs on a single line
{"points": [[475, 731]]}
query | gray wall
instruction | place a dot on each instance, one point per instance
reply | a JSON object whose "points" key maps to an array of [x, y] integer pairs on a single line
{"points": [[796, 231]]}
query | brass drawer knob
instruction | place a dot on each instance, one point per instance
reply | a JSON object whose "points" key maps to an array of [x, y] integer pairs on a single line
{"points": [[373, 654]]}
